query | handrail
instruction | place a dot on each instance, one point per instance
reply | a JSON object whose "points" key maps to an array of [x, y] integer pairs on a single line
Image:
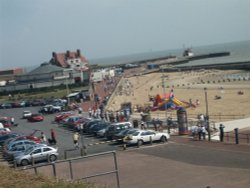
{"points": [[53, 164]]}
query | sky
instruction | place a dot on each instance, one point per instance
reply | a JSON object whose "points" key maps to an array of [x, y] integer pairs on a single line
{"points": [[30, 30]]}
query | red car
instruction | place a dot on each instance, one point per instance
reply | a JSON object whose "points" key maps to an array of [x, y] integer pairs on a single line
{"points": [[63, 115], [31, 137], [5, 121], [35, 118]]}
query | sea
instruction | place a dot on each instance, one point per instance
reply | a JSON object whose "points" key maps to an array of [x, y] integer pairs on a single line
{"points": [[239, 52]]}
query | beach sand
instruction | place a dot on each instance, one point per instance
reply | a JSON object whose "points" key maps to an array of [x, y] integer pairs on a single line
{"points": [[189, 85]]}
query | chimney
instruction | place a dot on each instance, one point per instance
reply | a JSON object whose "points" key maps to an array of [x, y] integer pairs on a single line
{"points": [[54, 56], [78, 53], [67, 53]]}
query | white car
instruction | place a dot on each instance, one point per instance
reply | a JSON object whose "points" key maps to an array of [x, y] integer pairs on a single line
{"points": [[141, 136], [4, 130], [26, 114]]}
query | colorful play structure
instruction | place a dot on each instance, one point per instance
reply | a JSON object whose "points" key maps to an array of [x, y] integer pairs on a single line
{"points": [[169, 101]]}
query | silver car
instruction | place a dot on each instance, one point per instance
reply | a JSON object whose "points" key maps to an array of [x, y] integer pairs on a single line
{"points": [[16, 143], [37, 154]]}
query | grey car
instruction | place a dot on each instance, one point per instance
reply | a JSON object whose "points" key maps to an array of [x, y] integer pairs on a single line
{"points": [[38, 154]]}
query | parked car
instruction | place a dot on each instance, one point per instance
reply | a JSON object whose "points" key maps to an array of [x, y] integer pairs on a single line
{"points": [[122, 134], [98, 126], [6, 122], [81, 123], [5, 137], [22, 149], [116, 128], [35, 118], [142, 136], [90, 123], [31, 137], [59, 117], [9, 154], [6, 105], [38, 154], [16, 145], [4, 131], [50, 109], [26, 114], [102, 132], [72, 121]]}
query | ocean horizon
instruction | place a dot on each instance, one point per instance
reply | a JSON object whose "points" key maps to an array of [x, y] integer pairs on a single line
{"points": [[239, 51]]}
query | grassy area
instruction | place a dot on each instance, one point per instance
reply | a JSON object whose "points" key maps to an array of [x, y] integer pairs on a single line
{"points": [[43, 94], [11, 178]]}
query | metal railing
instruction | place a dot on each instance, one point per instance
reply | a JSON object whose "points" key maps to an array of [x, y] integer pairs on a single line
{"points": [[69, 161], [241, 138]]}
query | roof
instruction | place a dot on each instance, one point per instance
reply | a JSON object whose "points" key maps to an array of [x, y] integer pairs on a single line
{"points": [[46, 68], [60, 58]]}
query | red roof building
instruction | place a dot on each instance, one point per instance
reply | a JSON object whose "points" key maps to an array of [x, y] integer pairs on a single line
{"points": [[69, 59]]}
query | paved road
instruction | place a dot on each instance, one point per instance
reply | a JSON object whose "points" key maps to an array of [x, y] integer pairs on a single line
{"points": [[179, 163]]}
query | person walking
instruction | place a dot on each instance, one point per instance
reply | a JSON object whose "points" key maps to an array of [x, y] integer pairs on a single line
{"points": [[154, 124], [203, 132], [76, 137], [221, 132], [53, 137], [142, 126], [199, 132], [12, 121], [43, 137]]}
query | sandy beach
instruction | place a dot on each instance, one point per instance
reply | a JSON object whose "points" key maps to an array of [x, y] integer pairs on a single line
{"points": [[189, 85]]}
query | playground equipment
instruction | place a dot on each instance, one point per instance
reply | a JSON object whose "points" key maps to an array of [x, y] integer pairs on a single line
{"points": [[169, 101]]}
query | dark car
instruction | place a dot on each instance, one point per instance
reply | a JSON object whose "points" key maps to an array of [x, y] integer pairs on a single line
{"points": [[116, 128], [5, 137], [90, 123], [119, 136], [98, 126], [6, 105]]}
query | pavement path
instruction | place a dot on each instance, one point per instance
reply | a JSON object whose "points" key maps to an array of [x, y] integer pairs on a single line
{"points": [[181, 163]]}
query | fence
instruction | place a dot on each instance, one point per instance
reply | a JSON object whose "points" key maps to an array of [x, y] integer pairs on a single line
{"points": [[70, 167], [241, 138]]}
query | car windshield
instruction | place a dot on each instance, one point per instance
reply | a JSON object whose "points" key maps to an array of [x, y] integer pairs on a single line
{"points": [[136, 133], [30, 149]]}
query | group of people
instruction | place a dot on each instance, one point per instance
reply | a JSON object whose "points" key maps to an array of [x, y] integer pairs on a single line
{"points": [[52, 140], [118, 116], [200, 131]]}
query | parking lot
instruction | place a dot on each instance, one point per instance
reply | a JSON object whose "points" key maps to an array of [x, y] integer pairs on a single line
{"points": [[63, 135]]}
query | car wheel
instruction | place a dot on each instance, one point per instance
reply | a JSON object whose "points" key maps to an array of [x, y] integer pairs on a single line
{"points": [[24, 162], [163, 139], [52, 158], [139, 142]]}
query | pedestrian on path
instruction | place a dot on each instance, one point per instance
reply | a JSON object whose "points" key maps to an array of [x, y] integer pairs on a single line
{"points": [[12, 121], [43, 137], [203, 132], [76, 137], [142, 125], [222, 132], [52, 140]]}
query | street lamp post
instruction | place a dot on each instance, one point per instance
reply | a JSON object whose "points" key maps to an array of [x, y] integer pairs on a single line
{"points": [[84, 152], [207, 116], [165, 97]]}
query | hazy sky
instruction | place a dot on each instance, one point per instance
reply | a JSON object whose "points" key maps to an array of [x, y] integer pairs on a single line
{"points": [[30, 30]]}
